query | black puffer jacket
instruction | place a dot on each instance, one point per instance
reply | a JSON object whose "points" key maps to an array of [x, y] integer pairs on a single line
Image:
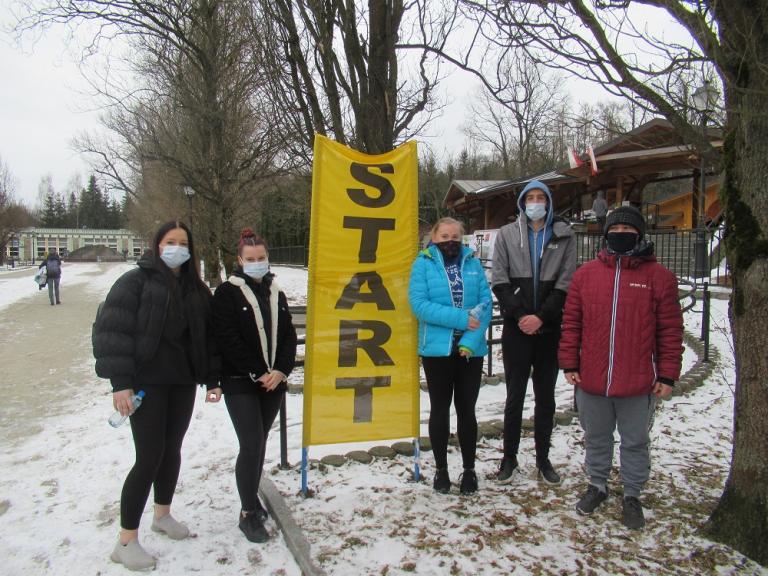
{"points": [[237, 334], [129, 327]]}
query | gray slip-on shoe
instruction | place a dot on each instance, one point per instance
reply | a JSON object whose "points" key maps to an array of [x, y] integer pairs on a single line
{"points": [[171, 527], [133, 556]]}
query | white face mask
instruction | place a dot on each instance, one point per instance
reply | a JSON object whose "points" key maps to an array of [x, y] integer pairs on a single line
{"points": [[256, 270], [535, 211], [174, 256]]}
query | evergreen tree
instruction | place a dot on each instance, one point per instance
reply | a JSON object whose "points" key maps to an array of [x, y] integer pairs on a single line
{"points": [[48, 214]]}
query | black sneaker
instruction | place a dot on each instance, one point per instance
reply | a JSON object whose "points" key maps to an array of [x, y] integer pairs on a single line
{"points": [[507, 470], [591, 499], [632, 513], [468, 482], [260, 511], [442, 483], [253, 528], [548, 473]]}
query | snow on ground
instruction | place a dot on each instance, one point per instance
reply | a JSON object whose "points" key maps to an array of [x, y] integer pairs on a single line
{"points": [[59, 489]]}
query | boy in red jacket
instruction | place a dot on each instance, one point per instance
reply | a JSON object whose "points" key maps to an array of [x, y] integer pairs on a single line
{"points": [[621, 346]]}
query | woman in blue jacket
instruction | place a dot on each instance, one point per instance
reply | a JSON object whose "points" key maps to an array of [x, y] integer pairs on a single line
{"points": [[449, 294]]}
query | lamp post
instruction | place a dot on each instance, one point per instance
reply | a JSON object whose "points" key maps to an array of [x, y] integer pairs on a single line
{"points": [[189, 192], [704, 99]]}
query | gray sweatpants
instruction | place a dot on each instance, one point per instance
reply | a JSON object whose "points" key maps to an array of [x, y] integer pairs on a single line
{"points": [[633, 416], [53, 290]]}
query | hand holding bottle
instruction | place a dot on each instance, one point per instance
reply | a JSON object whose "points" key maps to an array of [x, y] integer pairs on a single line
{"points": [[123, 410]]}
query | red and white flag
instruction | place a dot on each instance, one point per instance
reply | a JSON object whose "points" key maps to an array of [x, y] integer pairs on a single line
{"points": [[592, 161], [573, 158]]}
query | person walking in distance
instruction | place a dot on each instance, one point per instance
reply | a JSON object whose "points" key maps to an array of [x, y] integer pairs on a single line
{"points": [[52, 264], [153, 334], [600, 209], [449, 295], [622, 349], [533, 262], [257, 340]]}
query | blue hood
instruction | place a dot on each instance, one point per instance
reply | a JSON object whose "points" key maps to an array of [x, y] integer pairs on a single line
{"points": [[541, 186]]}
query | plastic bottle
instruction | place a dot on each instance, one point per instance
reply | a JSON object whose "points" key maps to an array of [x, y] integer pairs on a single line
{"points": [[117, 419], [477, 311]]}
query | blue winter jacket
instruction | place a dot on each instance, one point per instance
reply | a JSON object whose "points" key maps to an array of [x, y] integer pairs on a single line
{"points": [[430, 296]]}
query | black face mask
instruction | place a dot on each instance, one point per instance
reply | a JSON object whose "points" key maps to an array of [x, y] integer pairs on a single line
{"points": [[450, 248], [621, 242]]}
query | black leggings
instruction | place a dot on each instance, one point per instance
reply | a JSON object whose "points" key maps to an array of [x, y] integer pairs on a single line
{"points": [[445, 376], [525, 357], [158, 429], [252, 416]]}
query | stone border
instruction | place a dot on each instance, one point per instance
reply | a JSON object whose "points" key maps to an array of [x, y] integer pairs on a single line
{"points": [[700, 370], [294, 537]]}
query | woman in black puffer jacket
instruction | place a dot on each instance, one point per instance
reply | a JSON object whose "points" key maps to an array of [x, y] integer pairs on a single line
{"points": [[153, 334], [258, 345]]}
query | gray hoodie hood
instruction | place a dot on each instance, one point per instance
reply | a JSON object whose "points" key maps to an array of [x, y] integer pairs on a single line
{"points": [[533, 184]]}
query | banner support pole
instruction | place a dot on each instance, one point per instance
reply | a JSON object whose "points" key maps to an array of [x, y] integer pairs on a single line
{"points": [[304, 454], [416, 458]]}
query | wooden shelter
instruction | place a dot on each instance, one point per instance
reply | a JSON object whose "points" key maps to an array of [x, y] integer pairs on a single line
{"points": [[652, 152]]}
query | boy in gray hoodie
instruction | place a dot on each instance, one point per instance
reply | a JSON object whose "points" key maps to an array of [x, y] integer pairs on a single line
{"points": [[533, 263]]}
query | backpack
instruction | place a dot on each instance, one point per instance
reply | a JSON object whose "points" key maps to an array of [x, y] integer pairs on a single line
{"points": [[53, 267]]}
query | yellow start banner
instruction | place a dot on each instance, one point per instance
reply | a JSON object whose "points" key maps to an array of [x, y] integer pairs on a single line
{"points": [[361, 375]]}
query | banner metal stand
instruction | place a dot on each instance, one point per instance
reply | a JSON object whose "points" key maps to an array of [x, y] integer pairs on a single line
{"points": [[416, 458]]}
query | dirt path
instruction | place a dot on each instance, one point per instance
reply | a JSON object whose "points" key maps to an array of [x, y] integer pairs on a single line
{"points": [[46, 352]]}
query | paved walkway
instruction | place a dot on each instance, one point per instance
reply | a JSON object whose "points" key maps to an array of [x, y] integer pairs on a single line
{"points": [[43, 350]]}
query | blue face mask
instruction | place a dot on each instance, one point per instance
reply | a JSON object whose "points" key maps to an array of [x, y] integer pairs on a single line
{"points": [[174, 256], [535, 211], [256, 270]]}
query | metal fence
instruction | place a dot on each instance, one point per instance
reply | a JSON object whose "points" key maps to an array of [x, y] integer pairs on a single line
{"points": [[297, 255], [673, 248]]}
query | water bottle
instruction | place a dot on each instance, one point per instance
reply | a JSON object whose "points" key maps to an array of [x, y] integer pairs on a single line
{"points": [[117, 419], [477, 311]]}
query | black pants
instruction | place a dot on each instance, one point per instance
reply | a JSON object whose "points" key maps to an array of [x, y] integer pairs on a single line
{"points": [[448, 376], [252, 416], [158, 429], [521, 354]]}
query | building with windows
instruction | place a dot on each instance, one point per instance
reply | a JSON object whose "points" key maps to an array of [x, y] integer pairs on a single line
{"points": [[31, 244]]}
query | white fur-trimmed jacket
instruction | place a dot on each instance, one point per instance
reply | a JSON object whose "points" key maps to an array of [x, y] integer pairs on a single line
{"points": [[241, 338]]}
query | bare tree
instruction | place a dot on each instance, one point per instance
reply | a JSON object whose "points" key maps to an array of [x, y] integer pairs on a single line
{"points": [[13, 215], [516, 122], [338, 69], [607, 43], [195, 106]]}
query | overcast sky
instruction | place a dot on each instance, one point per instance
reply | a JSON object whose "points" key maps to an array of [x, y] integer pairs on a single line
{"points": [[44, 105], [41, 109]]}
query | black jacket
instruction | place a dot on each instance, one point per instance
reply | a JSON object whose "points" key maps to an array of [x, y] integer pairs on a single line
{"points": [[132, 320], [237, 335]]}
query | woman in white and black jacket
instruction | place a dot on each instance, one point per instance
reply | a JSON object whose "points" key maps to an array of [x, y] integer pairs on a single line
{"points": [[153, 334], [257, 340]]}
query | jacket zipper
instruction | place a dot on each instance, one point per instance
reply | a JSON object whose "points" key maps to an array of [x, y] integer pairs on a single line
{"points": [[614, 307]]}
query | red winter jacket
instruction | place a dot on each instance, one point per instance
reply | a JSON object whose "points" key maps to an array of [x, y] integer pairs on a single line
{"points": [[622, 326]]}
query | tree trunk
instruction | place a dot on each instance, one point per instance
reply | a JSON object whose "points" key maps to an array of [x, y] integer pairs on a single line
{"points": [[741, 517]]}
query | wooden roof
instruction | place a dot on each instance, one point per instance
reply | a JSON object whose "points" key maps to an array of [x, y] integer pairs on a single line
{"points": [[647, 153]]}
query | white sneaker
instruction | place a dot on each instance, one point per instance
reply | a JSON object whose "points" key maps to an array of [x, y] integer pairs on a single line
{"points": [[171, 527], [133, 556]]}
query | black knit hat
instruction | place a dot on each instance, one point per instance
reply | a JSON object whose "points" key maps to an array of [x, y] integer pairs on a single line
{"points": [[628, 215]]}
